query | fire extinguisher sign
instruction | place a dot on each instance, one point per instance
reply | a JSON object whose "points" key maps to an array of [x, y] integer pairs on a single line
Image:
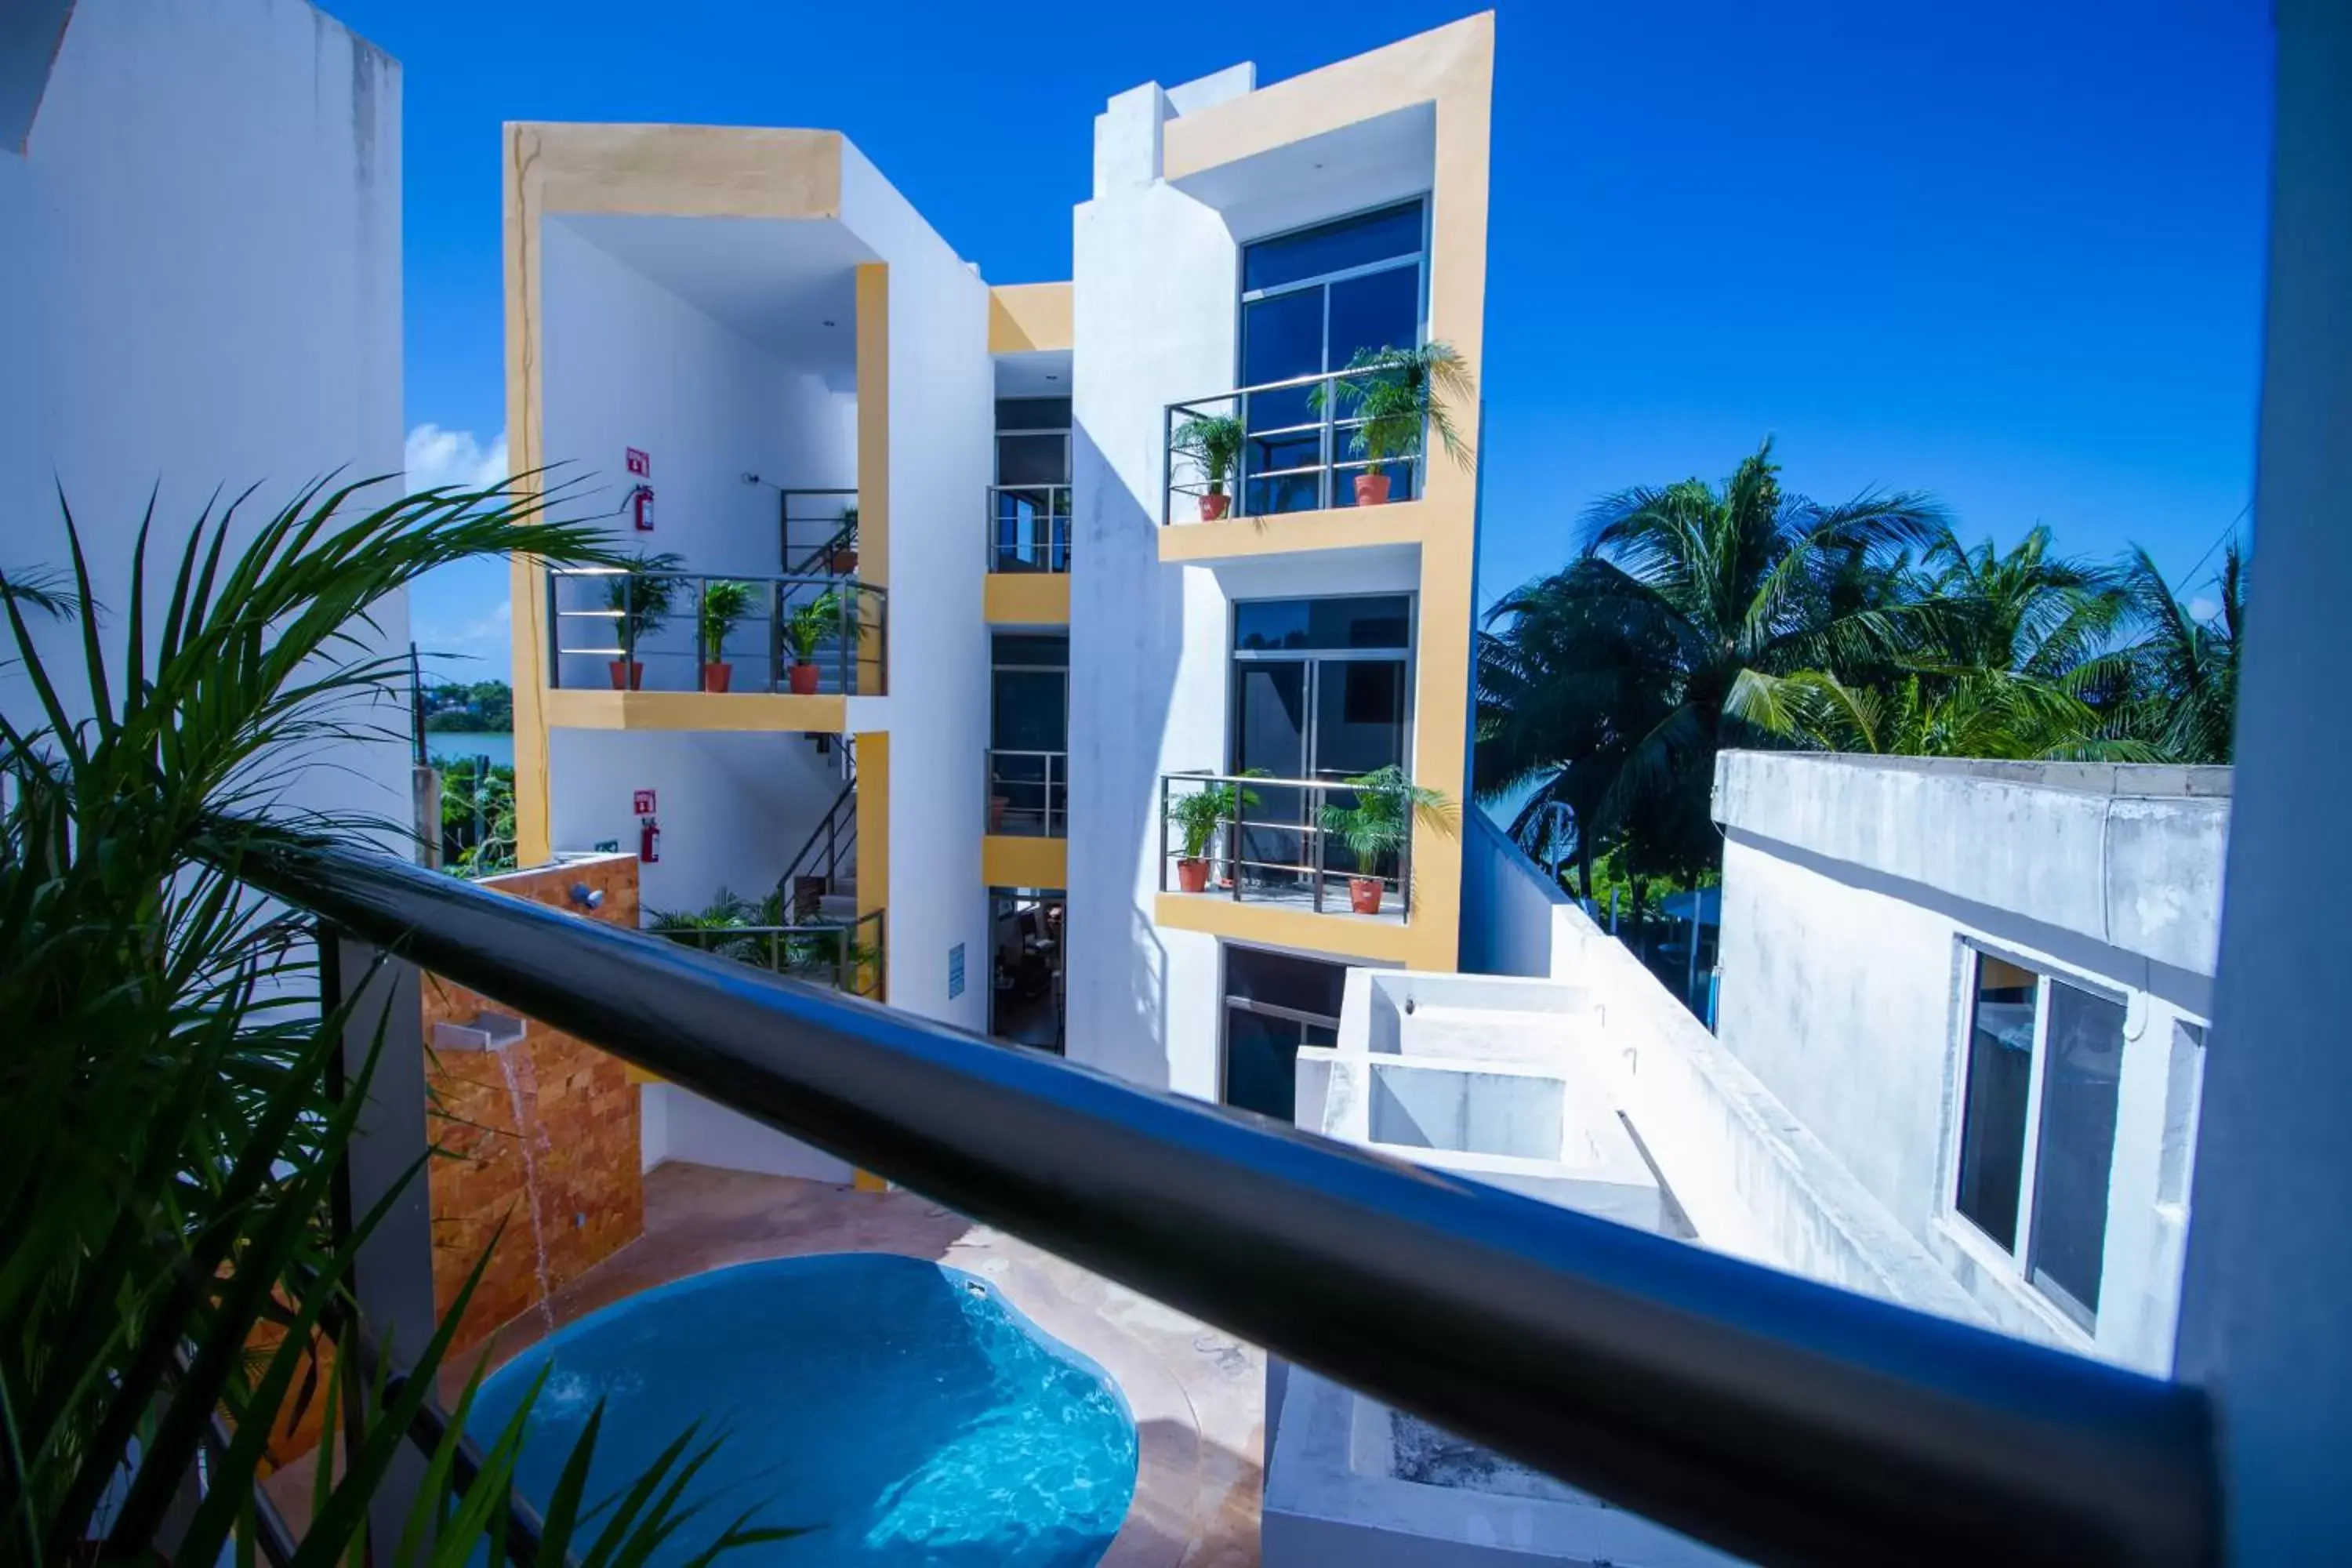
{"points": [[642, 803]]}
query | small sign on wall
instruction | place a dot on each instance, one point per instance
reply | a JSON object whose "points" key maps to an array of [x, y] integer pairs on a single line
{"points": [[640, 464], [955, 971], [641, 804]]}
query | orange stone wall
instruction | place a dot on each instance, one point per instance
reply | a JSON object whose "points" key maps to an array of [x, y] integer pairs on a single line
{"points": [[579, 1119]]}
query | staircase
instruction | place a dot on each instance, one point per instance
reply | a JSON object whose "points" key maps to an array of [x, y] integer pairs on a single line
{"points": [[821, 882]]}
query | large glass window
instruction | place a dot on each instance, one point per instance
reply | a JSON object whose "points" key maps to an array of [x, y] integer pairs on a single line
{"points": [[1030, 505], [1310, 302], [2038, 1117], [1029, 704], [1275, 1004]]}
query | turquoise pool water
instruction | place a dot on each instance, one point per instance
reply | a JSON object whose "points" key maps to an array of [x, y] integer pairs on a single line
{"points": [[905, 1414]]}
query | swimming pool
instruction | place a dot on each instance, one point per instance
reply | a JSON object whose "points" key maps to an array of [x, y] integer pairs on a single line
{"points": [[903, 1412]]}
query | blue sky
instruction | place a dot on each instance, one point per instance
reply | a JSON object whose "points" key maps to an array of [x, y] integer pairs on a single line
{"points": [[2007, 252]]}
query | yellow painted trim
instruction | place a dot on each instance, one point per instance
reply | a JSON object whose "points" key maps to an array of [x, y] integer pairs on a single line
{"points": [[1450, 67], [668, 170], [866, 1181], [635, 1074], [874, 451], [1009, 862], [1290, 534], [685, 171], [1023, 318], [523, 193], [1026, 599], [873, 835], [1346, 935], [763, 711]]}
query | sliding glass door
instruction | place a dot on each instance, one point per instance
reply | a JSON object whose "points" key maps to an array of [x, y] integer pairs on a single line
{"points": [[1319, 690]]}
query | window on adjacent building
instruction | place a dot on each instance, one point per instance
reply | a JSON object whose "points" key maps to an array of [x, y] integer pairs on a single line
{"points": [[2038, 1125], [1310, 302]]}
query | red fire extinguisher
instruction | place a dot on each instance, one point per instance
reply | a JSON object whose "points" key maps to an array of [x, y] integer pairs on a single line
{"points": [[641, 507], [648, 839]]}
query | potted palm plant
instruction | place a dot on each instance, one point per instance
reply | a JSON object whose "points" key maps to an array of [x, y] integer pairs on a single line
{"points": [[1387, 802], [804, 630], [1196, 817], [845, 544], [725, 602], [1214, 442], [1397, 395], [641, 599]]}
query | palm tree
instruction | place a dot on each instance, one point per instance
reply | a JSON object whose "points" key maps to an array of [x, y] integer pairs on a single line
{"points": [[1673, 633], [1956, 713], [170, 1130], [2183, 697], [2011, 655]]}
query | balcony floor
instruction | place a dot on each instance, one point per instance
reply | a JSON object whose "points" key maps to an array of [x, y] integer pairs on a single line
{"points": [[1300, 897], [1197, 1393]]}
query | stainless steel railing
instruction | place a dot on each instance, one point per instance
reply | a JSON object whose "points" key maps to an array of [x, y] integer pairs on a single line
{"points": [[1028, 793], [1293, 451], [844, 954], [1028, 527], [805, 635], [1268, 843]]}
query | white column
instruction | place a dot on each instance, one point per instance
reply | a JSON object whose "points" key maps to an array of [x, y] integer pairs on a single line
{"points": [[2264, 1314]]}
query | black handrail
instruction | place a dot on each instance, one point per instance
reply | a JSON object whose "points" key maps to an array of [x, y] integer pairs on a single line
{"points": [[1771, 1415]]}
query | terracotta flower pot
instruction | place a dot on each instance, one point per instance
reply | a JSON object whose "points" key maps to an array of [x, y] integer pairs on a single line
{"points": [[1214, 506], [1372, 489], [844, 561], [1193, 876], [803, 678], [1364, 895], [715, 676], [627, 676], [996, 804]]}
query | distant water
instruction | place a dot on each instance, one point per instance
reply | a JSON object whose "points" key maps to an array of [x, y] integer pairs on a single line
{"points": [[450, 745]]}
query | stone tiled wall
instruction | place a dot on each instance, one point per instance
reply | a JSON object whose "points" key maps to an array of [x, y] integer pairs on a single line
{"points": [[563, 1181]]}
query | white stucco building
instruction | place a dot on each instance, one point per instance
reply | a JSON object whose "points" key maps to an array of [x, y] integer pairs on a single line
{"points": [[1047, 612], [1958, 1066], [1985, 988], [199, 290]]}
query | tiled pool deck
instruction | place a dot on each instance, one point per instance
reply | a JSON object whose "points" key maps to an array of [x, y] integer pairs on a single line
{"points": [[1197, 1394]]}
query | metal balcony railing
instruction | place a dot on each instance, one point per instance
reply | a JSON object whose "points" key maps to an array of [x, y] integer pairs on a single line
{"points": [[1029, 794], [817, 532], [1294, 446], [1268, 843], [806, 634], [844, 954], [1773, 1416], [1029, 528]]}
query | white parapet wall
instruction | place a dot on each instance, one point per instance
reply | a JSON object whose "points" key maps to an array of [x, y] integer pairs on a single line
{"points": [[1580, 1082]]}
